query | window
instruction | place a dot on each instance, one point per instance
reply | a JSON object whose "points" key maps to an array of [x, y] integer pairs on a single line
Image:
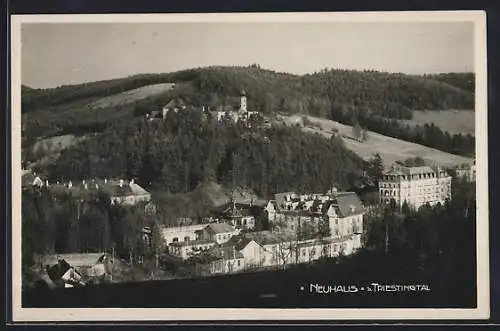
{"points": [[238, 263], [175, 240], [186, 238]]}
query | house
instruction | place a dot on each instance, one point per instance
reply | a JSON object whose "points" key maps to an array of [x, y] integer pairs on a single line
{"points": [[239, 217], [241, 115], [187, 249], [279, 248], [466, 171], [30, 179], [87, 265], [253, 253], [125, 193], [182, 233], [345, 219], [63, 275], [224, 259], [219, 232], [174, 105], [119, 191], [312, 250], [331, 215], [415, 185]]}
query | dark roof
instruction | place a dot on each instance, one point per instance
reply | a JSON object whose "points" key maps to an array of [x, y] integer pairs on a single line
{"points": [[280, 198], [28, 179], [176, 102], [240, 242], [220, 227], [58, 270], [348, 203]]}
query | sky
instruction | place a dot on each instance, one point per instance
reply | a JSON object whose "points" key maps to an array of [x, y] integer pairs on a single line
{"points": [[55, 54]]}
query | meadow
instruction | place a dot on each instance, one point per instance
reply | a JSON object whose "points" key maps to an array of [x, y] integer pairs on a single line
{"points": [[453, 121]]}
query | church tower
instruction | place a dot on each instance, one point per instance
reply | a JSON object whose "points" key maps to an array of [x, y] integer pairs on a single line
{"points": [[243, 102]]}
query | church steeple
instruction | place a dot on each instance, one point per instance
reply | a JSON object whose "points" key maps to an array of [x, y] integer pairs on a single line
{"points": [[243, 101]]}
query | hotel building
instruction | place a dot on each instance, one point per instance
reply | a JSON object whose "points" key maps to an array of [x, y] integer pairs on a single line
{"points": [[415, 185]]}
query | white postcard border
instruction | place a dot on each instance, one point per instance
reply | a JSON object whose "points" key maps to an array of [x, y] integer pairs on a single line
{"points": [[175, 314]]}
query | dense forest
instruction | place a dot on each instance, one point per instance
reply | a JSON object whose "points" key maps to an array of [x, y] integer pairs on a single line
{"points": [[464, 81], [178, 154]]}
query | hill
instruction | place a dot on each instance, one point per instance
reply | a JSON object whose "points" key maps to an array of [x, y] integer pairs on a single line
{"points": [[391, 149], [341, 95], [177, 155], [465, 81]]}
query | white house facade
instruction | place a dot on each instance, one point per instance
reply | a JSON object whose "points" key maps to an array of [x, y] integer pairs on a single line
{"points": [[415, 185]]}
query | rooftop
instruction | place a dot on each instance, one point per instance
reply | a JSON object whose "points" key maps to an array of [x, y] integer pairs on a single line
{"points": [[74, 260], [112, 187], [404, 170], [220, 227], [192, 243], [240, 242]]}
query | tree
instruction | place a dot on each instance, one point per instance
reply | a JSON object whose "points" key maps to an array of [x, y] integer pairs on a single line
{"points": [[364, 135], [375, 168]]}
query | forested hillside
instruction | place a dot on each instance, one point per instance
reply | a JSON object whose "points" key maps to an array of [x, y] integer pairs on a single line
{"points": [[188, 148], [368, 97], [465, 81]]}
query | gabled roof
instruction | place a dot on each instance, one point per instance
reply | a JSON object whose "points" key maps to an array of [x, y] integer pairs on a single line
{"points": [[58, 270], [220, 228], [280, 198], [28, 179], [348, 204], [240, 242], [174, 103]]}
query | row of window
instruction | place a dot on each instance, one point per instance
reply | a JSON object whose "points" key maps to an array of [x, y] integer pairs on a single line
{"points": [[413, 177]]}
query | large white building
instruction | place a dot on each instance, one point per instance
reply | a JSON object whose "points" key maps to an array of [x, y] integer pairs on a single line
{"points": [[415, 185], [341, 211]]}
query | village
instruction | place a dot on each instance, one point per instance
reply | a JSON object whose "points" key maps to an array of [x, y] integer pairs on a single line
{"points": [[300, 227]]}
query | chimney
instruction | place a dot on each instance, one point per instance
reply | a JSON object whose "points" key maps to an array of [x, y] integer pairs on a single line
{"points": [[86, 186], [121, 182], [105, 180], [70, 184], [96, 186], [132, 181], [83, 182], [47, 183]]}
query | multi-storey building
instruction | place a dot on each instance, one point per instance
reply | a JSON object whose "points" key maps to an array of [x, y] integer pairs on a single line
{"points": [[415, 185], [467, 172], [336, 215]]}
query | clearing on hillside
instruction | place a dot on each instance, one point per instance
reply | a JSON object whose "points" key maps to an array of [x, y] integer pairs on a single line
{"points": [[131, 95], [453, 121], [391, 149]]}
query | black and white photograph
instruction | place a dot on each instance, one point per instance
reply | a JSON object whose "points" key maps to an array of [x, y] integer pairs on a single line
{"points": [[250, 166]]}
